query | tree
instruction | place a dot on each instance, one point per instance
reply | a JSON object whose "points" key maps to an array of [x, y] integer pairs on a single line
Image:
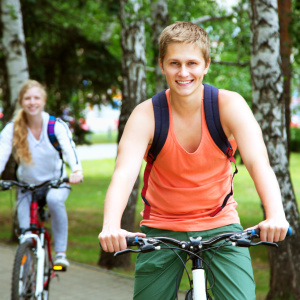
{"points": [[133, 92], [284, 14], [269, 109], [13, 47], [160, 20]]}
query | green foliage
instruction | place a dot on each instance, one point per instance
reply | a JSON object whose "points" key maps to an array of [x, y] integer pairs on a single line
{"points": [[68, 51], [295, 139]]}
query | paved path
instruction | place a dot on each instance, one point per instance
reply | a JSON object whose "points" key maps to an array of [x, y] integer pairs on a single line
{"points": [[79, 282], [97, 151]]}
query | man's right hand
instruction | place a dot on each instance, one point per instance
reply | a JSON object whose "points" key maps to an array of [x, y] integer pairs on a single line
{"points": [[114, 240]]}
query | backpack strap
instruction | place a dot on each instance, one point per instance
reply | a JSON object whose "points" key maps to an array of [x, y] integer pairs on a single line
{"points": [[212, 117], [161, 116], [53, 139]]}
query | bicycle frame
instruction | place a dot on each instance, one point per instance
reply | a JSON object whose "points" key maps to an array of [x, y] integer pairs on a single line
{"points": [[38, 236], [199, 286], [40, 254]]}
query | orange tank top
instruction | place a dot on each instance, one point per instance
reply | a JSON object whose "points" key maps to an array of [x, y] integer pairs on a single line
{"points": [[185, 188]]}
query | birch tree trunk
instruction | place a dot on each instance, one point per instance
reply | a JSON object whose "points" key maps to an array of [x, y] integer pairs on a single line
{"points": [[284, 14], [269, 110], [13, 46], [160, 18], [133, 92]]}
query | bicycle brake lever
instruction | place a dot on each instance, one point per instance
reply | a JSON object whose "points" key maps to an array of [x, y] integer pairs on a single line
{"points": [[265, 243], [126, 251]]}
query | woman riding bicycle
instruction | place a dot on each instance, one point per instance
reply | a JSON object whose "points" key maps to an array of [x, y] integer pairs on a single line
{"points": [[38, 161], [191, 176]]}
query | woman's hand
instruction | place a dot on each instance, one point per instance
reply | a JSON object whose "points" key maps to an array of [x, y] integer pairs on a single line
{"points": [[76, 177]]}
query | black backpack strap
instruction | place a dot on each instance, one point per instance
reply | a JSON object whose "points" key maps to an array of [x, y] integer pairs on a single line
{"points": [[161, 116], [212, 117]]}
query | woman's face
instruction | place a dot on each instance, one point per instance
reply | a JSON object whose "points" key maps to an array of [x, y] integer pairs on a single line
{"points": [[33, 102]]}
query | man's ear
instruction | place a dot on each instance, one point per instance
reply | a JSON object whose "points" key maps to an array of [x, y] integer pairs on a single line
{"points": [[161, 67], [207, 67]]}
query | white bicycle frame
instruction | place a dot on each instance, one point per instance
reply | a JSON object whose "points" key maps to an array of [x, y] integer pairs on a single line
{"points": [[199, 286], [40, 255]]}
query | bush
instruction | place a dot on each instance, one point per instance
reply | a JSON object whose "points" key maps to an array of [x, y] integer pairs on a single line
{"points": [[295, 139]]}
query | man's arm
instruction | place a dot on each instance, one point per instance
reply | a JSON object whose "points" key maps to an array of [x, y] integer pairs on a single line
{"points": [[237, 120], [137, 135]]}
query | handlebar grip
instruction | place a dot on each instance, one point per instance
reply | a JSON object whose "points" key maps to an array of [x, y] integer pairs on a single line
{"points": [[257, 231], [131, 240]]}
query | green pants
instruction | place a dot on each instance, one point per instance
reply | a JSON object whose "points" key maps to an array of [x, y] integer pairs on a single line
{"points": [[156, 272]]}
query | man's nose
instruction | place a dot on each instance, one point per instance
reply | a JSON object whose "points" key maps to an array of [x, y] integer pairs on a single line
{"points": [[183, 71]]}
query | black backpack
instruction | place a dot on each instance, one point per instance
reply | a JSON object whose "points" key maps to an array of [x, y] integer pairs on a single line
{"points": [[161, 115]]}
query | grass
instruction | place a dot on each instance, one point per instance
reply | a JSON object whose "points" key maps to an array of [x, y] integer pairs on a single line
{"points": [[85, 211], [104, 137]]}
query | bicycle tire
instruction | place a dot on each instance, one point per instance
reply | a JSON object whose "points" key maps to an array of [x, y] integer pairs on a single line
{"points": [[189, 295], [24, 272]]}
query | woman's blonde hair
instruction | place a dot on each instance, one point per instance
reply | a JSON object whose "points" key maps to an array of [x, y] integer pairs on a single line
{"points": [[20, 143], [184, 32]]}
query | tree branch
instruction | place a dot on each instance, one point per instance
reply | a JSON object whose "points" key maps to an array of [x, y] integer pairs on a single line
{"points": [[231, 63], [212, 18]]}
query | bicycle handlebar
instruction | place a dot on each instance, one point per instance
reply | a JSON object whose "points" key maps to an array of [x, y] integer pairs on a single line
{"points": [[239, 239], [8, 184]]}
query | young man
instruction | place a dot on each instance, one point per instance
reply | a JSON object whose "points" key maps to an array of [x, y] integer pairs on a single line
{"points": [[191, 176]]}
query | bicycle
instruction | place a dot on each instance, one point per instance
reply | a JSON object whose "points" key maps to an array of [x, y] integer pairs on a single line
{"points": [[195, 247], [33, 264]]}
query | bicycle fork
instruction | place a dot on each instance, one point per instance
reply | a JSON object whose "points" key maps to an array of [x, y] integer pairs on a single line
{"points": [[199, 286], [40, 255]]}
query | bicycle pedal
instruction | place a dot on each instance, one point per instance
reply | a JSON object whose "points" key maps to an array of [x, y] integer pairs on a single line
{"points": [[59, 268]]}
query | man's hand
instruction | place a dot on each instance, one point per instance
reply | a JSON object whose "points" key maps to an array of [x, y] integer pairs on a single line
{"points": [[273, 230], [114, 240]]}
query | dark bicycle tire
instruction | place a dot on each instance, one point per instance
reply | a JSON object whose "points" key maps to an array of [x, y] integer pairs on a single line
{"points": [[24, 272]]}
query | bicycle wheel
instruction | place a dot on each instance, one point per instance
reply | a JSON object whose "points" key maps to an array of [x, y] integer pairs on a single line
{"points": [[24, 272]]}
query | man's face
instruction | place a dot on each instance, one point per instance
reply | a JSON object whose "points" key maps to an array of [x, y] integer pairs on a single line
{"points": [[184, 67]]}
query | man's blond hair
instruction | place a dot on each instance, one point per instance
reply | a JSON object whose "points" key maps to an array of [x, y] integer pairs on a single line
{"points": [[184, 32]]}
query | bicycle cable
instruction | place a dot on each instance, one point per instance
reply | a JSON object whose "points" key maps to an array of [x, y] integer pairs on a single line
{"points": [[210, 261], [183, 265]]}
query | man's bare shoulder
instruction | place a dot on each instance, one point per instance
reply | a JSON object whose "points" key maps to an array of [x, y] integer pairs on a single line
{"points": [[227, 97], [145, 107], [140, 124]]}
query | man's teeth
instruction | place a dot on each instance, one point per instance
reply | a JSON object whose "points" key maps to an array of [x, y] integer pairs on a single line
{"points": [[184, 82]]}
